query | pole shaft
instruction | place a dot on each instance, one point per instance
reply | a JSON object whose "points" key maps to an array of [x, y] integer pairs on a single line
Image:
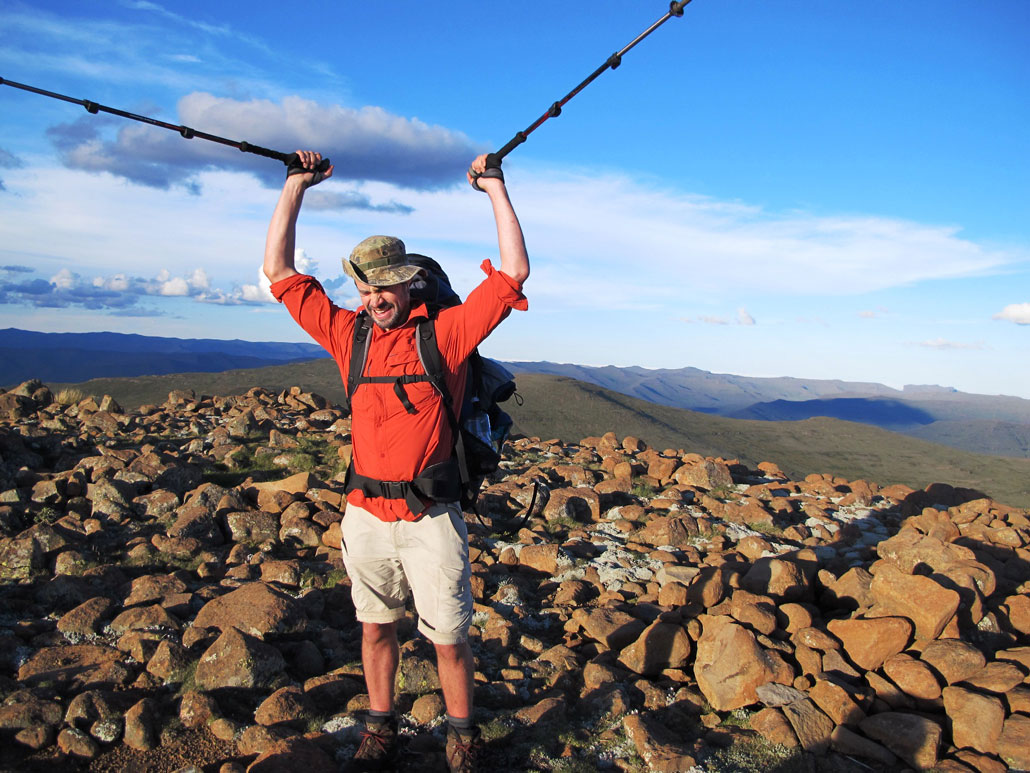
{"points": [[185, 131], [675, 9]]}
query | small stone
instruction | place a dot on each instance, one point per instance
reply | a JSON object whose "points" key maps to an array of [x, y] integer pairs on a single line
{"points": [[774, 727], [76, 743], [427, 708]]}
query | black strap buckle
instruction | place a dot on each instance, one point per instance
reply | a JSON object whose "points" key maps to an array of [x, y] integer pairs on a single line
{"points": [[393, 489]]}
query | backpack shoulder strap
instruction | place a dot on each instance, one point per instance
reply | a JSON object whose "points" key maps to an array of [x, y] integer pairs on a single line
{"points": [[432, 362], [358, 352], [429, 355]]}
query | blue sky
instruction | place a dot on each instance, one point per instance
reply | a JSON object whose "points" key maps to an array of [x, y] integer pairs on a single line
{"points": [[801, 188]]}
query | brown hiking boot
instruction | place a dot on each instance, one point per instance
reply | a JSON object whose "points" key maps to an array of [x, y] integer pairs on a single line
{"points": [[378, 748], [463, 746]]}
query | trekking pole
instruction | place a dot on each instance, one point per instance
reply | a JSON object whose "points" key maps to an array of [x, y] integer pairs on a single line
{"points": [[290, 159], [613, 61]]}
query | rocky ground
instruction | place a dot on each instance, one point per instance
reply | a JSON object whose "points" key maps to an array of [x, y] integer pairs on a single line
{"points": [[171, 599]]}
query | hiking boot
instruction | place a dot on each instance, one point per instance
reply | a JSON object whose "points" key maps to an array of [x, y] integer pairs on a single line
{"points": [[378, 748], [463, 746]]}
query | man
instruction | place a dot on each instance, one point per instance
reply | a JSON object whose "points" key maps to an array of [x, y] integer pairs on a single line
{"points": [[399, 534]]}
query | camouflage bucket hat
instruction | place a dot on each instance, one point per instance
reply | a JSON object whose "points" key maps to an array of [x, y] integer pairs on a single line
{"points": [[380, 261]]}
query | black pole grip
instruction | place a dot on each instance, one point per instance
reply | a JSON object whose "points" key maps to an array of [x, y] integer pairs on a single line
{"points": [[293, 165]]}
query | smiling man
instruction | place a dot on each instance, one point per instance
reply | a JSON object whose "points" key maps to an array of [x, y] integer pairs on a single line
{"points": [[403, 530]]}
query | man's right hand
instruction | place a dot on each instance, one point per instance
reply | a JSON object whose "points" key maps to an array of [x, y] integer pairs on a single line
{"points": [[305, 168]]}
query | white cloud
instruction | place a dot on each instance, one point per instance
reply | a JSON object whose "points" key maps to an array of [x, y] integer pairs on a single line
{"points": [[1015, 312], [743, 318], [198, 280], [176, 286], [64, 279]]}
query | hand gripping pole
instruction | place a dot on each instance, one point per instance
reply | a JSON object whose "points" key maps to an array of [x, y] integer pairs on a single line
{"points": [[290, 159], [613, 61]]}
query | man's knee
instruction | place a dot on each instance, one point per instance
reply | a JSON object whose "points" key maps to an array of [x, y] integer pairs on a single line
{"points": [[375, 633], [452, 652]]}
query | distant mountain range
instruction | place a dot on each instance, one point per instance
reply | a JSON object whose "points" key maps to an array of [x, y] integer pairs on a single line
{"points": [[988, 424], [997, 425], [65, 357]]}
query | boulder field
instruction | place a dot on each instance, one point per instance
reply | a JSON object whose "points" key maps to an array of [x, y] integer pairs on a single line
{"points": [[172, 599]]}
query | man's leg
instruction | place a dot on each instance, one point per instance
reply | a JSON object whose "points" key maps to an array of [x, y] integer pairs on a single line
{"points": [[380, 655], [456, 667]]}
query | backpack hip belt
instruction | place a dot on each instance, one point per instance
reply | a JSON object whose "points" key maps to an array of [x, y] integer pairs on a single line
{"points": [[437, 483]]}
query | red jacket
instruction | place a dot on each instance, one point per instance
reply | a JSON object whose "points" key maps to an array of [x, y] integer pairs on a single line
{"points": [[389, 443]]}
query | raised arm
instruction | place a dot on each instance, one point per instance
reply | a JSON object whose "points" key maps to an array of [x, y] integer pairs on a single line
{"points": [[512, 245], [282, 231]]}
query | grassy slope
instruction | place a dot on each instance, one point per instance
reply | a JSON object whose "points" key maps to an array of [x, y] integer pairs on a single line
{"points": [[571, 410]]}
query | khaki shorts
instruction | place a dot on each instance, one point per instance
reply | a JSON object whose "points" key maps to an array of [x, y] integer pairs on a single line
{"points": [[427, 559]]}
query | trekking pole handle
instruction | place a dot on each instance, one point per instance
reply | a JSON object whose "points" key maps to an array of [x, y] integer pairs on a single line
{"points": [[293, 165]]}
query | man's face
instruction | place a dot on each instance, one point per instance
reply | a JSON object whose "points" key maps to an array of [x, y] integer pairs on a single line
{"points": [[387, 306]]}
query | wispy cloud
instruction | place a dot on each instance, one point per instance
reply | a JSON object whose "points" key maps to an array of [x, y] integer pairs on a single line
{"points": [[944, 344], [342, 200], [1015, 312], [658, 242], [8, 161]]}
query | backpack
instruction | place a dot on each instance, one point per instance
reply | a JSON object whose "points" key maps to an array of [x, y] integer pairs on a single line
{"points": [[479, 426]]}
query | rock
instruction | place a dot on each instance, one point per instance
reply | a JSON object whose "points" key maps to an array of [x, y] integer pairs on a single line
{"points": [[656, 745], [848, 742], [20, 559], [428, 708], [836, 702], [997, 677], [256, 609], [914, 677], [146, 618], [287, 706], [869, 642], [774, 727], [707, 474], [730, 665], [548, 712], [914, 738], [197, 709], [170, 662], [1014, 743], [954, 659], [76, 666], [293, 754], [976, 720], [23, 709], [257, 739], [774, 695], [660, 646], [610, 627], [919, 598], [578, 504], [253, 527], [541, 558], [783, 580], [76, 743], [812, 727], [239, 660], [140, 730]]}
